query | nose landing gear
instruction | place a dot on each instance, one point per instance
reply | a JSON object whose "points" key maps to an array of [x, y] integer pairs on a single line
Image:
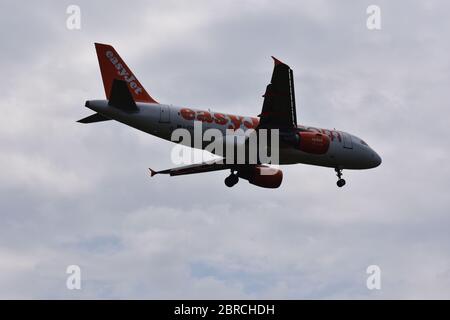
{"points": [[231, 180], [341, 182]]}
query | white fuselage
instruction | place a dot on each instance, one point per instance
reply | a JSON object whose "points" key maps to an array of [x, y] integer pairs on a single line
{"points": [[345, 151]]}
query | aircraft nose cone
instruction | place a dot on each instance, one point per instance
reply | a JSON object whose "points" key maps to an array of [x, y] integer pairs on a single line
{"points": [[376, 159]]}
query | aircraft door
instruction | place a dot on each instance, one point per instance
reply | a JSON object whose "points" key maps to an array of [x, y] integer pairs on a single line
{"points": [[347, 140], [164, 113]]}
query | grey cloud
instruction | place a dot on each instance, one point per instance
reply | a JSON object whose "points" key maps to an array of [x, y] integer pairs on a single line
{"points": [[73, 194]]}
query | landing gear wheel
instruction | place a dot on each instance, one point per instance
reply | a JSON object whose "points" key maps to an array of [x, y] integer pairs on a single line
{"points": [[231, 180], [340, 183]]}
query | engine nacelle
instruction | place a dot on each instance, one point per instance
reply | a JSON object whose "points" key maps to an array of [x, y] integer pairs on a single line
{"points": [[313, 142], [263, 176]]}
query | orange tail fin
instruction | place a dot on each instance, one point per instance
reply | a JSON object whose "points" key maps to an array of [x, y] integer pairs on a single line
{"points": [[113, 67]]}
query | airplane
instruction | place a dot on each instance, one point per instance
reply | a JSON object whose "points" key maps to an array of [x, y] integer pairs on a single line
{"points": [[128, 102]]}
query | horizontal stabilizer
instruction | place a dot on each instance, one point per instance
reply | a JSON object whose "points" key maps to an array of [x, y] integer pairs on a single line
{"points": [[96, 117], [121, 98]]}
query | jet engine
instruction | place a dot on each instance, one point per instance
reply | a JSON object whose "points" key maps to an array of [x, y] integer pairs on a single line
{"points": [[313, 142], [263, 176]]}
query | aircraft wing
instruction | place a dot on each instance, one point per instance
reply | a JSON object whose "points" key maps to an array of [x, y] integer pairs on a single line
{"points": [[207, 166], [259, 175], [278, 111]]}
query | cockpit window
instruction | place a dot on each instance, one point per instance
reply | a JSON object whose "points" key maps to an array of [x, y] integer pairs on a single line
{"points": [[364, 143]]}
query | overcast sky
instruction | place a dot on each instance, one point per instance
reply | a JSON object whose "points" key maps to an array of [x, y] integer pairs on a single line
{"points": [[80, 194]]}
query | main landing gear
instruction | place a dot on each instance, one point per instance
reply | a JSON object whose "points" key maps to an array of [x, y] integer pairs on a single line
{"points": [[341, 182], [231, 180]]}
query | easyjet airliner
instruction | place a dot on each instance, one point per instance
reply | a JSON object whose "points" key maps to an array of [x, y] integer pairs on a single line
{"points": [[128, 102]]}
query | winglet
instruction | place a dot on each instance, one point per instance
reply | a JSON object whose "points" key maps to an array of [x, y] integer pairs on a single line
{"points": [[276, 61], [152, 172]]}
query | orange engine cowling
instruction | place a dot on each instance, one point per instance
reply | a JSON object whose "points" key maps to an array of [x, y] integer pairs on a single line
{"points": [[263, 176], [314, 142]]}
